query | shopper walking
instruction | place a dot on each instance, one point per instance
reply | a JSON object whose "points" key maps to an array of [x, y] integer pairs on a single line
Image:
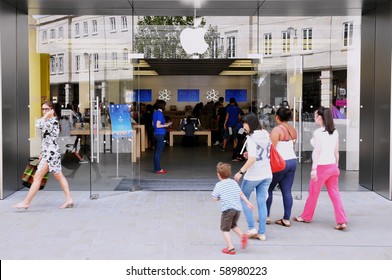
{"points": [[257, 173], [228, 193], [283, 137], [50, 158], [325, 169]]}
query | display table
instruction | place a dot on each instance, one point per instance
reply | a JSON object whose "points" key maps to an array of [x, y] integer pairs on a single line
{"points": [[106, 131], [173, 133]]}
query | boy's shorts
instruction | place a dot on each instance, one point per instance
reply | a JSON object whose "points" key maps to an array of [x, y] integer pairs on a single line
{"points": [[229, 219]]}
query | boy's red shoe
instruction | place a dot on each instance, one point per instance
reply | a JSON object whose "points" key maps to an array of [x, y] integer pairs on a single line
{"points": [[162, 171], [244, 241], [228, 251]]}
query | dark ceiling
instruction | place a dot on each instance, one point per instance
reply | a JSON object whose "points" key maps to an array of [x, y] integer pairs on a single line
{"points": [[191, 66]]}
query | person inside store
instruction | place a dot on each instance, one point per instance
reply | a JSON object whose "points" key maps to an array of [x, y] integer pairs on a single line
{"points": [[233, 116], [160, 126], [189, 139]]}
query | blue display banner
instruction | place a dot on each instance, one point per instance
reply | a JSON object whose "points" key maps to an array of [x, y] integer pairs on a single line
{"points": [[240, 95], [120, 118], [142, 95], [188, 95]]}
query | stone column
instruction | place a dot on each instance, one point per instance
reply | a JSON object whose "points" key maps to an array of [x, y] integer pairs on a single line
{"points": [[67, 88], [326, 85]]}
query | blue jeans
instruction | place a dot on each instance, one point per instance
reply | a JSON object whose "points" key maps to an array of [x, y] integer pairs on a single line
{"points": [[285, 179], [158, 149], [261, 188]]}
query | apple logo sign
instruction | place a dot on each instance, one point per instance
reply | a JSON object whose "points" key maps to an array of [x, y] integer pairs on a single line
{"points": [[192, 40]]}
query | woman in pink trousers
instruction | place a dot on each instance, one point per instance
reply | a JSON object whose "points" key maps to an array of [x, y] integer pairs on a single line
{"points": [[325, 169]]}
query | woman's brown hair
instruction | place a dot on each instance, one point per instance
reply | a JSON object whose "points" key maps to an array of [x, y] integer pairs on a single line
{"points": [[50, 105], [326, 115]]}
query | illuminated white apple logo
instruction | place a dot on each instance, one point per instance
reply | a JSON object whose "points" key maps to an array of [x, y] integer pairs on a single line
{"points": [[192, 40]]}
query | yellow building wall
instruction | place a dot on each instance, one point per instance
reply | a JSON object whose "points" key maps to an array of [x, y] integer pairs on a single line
{"points": [[39, 90]]}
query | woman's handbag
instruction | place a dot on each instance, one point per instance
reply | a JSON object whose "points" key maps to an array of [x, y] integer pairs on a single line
{"points": [[28, 174], [276, 160]]}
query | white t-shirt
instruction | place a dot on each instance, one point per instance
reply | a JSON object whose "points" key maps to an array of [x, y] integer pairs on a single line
{"points": [[327, 143], [258, 145]]}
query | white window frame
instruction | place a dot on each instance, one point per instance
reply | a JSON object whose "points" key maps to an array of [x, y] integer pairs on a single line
{"points": [[231, 46], [52, 65], [60, 33], [95, 27], [52, 34], [125, 59], [307, 39], [60, 62], [112, 24], [348, 34], [267, 44], [96, 61], [286, 42], [85, 28], [124, 23], [86, 61], [44, 36], [77, 30], [77, 63], [215, 47], [114, 60]]}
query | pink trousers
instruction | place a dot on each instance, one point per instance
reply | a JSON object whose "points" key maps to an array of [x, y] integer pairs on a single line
{"points": [[329, 175]]}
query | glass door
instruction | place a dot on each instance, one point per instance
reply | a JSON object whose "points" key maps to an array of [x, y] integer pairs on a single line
{"points": [[82, 64], [117, 140]]}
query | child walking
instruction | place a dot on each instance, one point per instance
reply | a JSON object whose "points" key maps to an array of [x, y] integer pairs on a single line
{"points": [[229, 194]]}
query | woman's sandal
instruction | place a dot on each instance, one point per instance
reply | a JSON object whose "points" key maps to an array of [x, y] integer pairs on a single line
{"points": [[282, 223], [299, 219], [67, 205], [341, 226]]}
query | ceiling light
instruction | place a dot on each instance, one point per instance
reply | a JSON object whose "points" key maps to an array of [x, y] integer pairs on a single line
{"points": [[237, 73], [145, 73]]}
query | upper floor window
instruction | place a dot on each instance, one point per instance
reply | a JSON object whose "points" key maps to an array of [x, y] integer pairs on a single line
{"points": [[214, 47], [61, 33], [348, 30], [44, 36], [61, 64], [85, 28], [113, 24], [114, 60], [124, 23], [268, 44], [52, 34], [77, 63], [95, 27], [86, 61], [52, 65], [286, 47], [307, 39], [231, 46], [77, 30], [125, 58], [96, 62]]}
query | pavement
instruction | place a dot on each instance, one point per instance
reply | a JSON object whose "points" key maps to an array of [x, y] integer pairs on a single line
{"points": [[184, 225]]}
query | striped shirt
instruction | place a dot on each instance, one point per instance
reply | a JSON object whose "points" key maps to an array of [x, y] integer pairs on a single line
{"points": [[228, 193]]}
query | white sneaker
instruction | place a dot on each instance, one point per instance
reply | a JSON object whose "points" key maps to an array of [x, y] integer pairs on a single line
{"points": [[252, 232], [216, 143]]}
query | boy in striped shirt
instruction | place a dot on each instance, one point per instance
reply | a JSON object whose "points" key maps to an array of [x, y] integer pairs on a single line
{"points": [[229, 194]]}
